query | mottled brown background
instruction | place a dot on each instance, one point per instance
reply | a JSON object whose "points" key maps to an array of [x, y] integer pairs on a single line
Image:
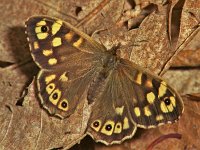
{"points": [[24, 125]]}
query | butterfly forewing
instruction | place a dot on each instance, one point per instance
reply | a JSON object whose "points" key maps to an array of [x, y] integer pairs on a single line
{"points": [[54, 42], [155, 102]]}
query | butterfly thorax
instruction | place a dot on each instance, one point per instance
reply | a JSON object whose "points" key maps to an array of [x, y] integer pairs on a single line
{"points": [[111, 58]]}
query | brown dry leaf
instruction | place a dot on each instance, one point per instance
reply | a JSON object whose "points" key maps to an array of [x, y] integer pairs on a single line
{"points": [[28, 126], [184, 81], [189, 57], [153, 31]]}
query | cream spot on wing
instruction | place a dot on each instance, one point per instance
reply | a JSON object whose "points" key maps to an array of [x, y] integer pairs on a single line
{"points": [[64, 77], [47, 52], [50, 78], [56, 42], [162, 89], [96, 125], [55, 96], [63, 104], [56, 26], [159, 117], [137, 111], [50, 88], [78, 42], [42, 36], [119, 110], [173, 101], [52, 61], [151, 97], [41, 23], [147, 111], [163, 107], [37, 29], [108, 127], [118, 127], [139, 78], [168, 108], [126, 123], [35, 45]]}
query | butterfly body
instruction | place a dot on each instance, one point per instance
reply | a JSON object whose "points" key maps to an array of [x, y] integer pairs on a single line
{"points": [[74, 67]]}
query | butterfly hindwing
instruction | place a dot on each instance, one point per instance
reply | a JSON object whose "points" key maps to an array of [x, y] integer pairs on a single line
{"points": [[60, 92], [110, 120]]}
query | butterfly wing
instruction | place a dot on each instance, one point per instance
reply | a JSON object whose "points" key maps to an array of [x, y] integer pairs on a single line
{"points": [[69, 60], [155, 102], [55, 43], [131, 98]]}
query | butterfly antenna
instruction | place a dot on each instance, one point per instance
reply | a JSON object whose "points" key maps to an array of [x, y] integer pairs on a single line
{"points": [[109, 33]]}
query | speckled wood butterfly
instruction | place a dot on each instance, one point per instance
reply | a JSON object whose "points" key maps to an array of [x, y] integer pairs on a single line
{"points": [[74, 67]]}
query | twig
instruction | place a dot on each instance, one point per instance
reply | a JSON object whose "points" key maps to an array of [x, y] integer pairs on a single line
{"points": [[93, 13], [162, 138]]}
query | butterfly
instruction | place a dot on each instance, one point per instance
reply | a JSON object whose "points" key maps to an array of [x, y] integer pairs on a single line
{"points": [[75, 67]]}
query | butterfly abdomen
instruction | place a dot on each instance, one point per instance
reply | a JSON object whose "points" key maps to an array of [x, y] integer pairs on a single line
{"points": [[97, 86]]}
